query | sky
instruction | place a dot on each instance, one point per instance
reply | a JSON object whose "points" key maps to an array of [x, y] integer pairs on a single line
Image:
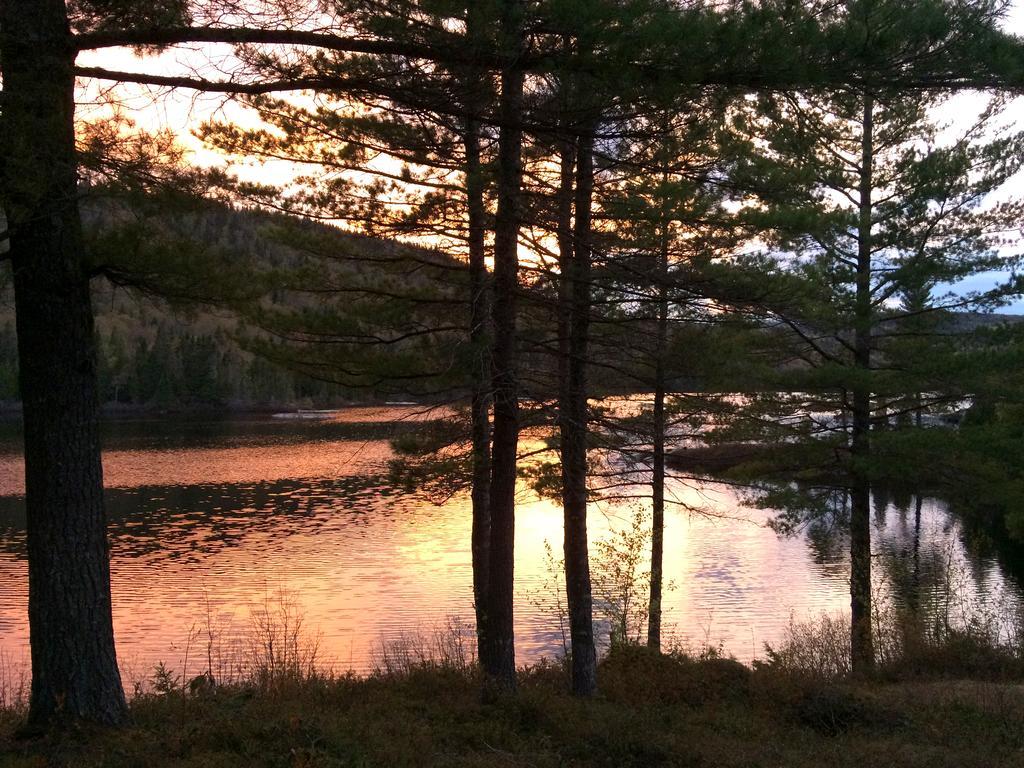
{"points": [[182, 111]]}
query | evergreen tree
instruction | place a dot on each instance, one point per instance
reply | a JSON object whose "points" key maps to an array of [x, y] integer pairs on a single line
{"points": [[668, 220], [868, 202]]}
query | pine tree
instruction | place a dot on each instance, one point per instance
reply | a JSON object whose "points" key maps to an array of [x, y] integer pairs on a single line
{"points": [[869, 202], [668, 218]]}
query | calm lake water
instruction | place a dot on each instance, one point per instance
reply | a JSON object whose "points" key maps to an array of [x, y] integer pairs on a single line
{"points": [[209, 519]]}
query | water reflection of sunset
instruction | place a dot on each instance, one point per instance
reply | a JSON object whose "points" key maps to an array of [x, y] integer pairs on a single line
{"points": [[296, 508], [310, 454]]}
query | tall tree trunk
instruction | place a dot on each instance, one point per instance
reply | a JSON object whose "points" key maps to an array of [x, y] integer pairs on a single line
{"points": [[498, 643], [861, 645], [658, 426], [74, 667], [479, 336], [573, 420], [564, 236], [480, 407], [862, 648]]}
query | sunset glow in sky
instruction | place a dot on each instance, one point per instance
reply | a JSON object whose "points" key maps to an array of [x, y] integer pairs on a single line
{"points": [[182, 111]]}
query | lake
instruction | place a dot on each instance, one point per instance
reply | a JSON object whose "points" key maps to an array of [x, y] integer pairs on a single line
{"points": [[212, 520]]}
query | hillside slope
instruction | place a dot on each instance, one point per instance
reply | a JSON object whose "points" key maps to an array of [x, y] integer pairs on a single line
{"points": [[185, 305]]}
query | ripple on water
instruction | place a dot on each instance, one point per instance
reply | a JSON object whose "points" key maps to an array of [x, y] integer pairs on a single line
{"points": [[222, 527]]}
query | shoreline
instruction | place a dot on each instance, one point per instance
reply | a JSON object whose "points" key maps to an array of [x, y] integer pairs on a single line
{"points": [[11, 411], [652, 710]]}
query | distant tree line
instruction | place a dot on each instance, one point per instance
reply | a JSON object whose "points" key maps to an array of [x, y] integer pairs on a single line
{"points": [[197, 370], [182, 370]]}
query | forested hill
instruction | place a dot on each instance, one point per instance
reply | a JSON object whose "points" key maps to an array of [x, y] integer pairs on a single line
{"points": [[169, 333], [966, 322]]}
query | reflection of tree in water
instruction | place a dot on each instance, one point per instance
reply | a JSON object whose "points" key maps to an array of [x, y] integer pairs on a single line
{"points": [[12, 524], [10, 435], [149, 519], [193, 522], [926, 558], [933, 565], [159, 434], [910, 572], [989, 540], [827, 533], [901, 501], [203, 431], [820, 514], [880, 501]]}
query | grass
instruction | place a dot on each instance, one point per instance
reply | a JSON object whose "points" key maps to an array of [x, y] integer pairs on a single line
{"points": [[979, 645], [945, 694], [653, 710], [14, 685]]}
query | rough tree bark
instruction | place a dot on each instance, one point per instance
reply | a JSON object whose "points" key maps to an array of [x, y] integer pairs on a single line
{"points": [[573, 422], [74, 667], [498, 643]]}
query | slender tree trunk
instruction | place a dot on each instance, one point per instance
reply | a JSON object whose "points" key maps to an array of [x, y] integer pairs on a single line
{"points": [[861, 644], [498, 643], [480, 339], [564, 235], [480, 407], [862, 648], [74, 667], [573, 420], [658, 426]]}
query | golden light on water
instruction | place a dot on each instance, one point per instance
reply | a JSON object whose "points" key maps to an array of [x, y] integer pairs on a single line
{"points": [[205, 536]]}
